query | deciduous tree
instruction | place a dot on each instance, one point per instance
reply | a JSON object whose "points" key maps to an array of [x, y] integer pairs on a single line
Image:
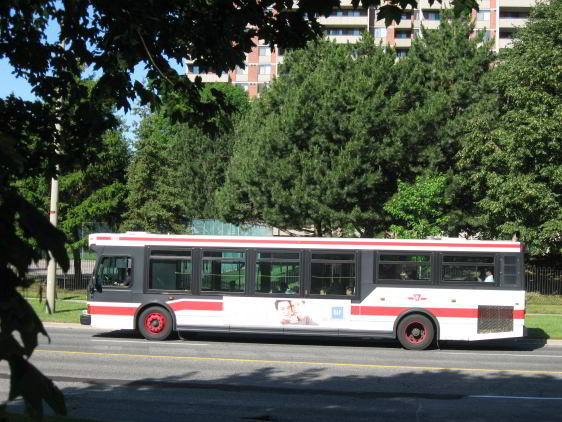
{"points": [[178, 166], [512, 155]]}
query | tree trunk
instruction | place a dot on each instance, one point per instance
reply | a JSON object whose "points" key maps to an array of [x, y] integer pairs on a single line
{"points": [[318, 229], [77, 267]]}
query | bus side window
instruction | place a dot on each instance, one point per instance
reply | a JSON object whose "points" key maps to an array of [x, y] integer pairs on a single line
{"points": [[509, 273], [114, 271]]}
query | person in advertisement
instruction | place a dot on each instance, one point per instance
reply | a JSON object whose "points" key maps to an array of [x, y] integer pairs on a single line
{"points": [[293, 312]]}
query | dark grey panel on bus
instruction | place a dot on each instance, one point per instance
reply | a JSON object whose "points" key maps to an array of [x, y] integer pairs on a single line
{"points": [[285, 331], [122, 293], [367, 274]]}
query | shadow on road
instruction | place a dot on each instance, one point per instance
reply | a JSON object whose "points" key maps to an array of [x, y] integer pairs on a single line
{"points": [[500, 345]]}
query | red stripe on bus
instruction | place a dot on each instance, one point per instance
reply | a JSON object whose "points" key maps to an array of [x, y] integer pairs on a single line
{"points": [[196, 306], [111, 310], [438, 312], [314, 242], [519, 314], [103, 238]]}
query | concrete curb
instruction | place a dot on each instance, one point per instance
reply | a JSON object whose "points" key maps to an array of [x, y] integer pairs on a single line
{"points": [[550, 342]]}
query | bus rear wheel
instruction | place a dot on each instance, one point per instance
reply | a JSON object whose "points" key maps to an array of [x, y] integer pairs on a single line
{"points": [[155, 323], [416, 332]]}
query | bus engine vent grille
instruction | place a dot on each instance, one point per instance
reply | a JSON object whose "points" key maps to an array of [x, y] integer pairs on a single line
{"points": [[495, 319]]}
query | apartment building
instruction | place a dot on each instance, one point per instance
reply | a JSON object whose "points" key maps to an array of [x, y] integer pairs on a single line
{"points": [[498, 18]]}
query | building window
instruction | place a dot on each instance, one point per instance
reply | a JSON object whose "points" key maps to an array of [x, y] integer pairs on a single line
{"points": [[403, 34], [333, 273], [405, 268], [223, 271], [406, 16], [483, 15], [343, 31], [509, 14], [265, 51], [278, 272], [193, 69], [261, 88], [243, 86], [431, 15], [509, 35], [401, 52], [265, 69], [380, 32], [241, 71]]}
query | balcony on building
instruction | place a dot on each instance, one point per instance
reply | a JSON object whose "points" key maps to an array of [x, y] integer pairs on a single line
{"points": [[405, 19], [482, 20], [517, 3], [513, 17], [264, 54], [193, 71], [345, 35], [379, 34], [424, 4], [241, 74], [345, 17], [403, 38], [264, 72], [429, 18], [507, 36]]}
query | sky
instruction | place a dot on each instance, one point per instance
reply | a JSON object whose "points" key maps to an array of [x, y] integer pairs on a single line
{"points": [[9, 84]]}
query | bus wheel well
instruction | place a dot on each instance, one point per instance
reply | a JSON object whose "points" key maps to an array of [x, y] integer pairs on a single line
{"points": [[418, 312], [145, 306]]}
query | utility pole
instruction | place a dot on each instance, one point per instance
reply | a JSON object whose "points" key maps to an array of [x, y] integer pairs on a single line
{"points": [[53, 216], [52, 268]]}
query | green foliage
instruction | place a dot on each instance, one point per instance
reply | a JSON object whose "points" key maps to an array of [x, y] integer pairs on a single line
{"points": [[312, 152], [326, 144], [512, 155], [178, 166], [439, 83], [154, 200], [418, 208], [20, 226]]}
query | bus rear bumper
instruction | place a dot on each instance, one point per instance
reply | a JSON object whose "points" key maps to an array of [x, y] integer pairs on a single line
{"points": [[85, 319]]}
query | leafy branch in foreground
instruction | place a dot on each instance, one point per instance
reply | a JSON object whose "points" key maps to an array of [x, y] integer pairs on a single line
{"points": [[20, 226]]}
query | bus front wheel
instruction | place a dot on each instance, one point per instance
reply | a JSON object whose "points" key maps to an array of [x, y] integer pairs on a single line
{"points": [[416, 332], [155, 323]]}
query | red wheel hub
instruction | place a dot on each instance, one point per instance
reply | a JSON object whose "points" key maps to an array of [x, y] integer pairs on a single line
{"points": [[155, 323], [415, 332]]}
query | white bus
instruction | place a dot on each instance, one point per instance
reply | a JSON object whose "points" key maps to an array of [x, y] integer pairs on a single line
{"points": [[416, 291]]}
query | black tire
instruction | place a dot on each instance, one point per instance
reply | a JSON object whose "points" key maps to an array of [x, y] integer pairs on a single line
{"points": [[155, 323], [416, 332]]}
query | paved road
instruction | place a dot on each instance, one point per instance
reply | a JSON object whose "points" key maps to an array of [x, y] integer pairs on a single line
{"points": [[120, 376]]}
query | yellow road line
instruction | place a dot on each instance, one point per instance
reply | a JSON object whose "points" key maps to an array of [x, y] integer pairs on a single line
{"points": [[290, 362]]}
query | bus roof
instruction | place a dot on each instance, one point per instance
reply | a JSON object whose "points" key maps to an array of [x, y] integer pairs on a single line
{"points": [[140, 239]]}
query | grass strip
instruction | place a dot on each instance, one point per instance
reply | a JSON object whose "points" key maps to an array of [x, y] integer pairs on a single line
{"points": [[544, 326], [544, 309], [65, 311]]}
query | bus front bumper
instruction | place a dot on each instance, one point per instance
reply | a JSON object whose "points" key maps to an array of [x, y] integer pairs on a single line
{"points": [[85, 319]]}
